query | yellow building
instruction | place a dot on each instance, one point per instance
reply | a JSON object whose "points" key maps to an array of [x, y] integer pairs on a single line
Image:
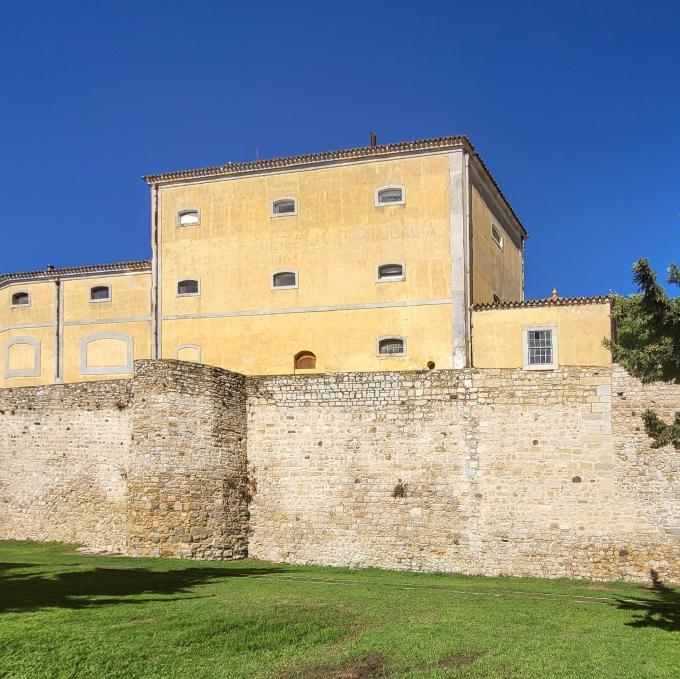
{"points": [[74, 324], [356, 260]]}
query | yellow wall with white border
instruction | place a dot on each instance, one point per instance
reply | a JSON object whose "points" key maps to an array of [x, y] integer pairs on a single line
{"points": [[35, 321], [334, 242], [127, 313], [497, 334]]}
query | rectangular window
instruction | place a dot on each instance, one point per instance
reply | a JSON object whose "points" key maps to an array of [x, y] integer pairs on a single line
{"points": [[540, 347], [497, 236]]}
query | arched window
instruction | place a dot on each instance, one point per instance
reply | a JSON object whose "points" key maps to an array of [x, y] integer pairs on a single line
{"points": [[283, 206], [187, 287], [21, 299], [390, 195], [305, 360], [285, 279], [188, 217], [100, 293], [189, 352], [391, 346], [393, 271]]}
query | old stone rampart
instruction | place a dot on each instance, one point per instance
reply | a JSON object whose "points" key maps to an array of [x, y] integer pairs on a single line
{"points": [[488, 471]]}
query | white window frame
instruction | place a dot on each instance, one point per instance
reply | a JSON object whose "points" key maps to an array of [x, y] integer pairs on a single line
{"points": [[501, 235], [390, 279], [387, 187], [101, 301], [184, 210], [34, 343], [20, 306], [188, 346], [127, 369], [283, 214], [390, 337], [187, 294], [285, 287], [525, 348]]}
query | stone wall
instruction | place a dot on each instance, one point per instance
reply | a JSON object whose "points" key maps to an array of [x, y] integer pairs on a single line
{"points": [[187, 486], [547, 474], [476, 471], [63, 449], [154, 465]]}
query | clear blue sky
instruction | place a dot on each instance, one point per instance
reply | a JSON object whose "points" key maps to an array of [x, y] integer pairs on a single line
{"points": [[574, 106]]}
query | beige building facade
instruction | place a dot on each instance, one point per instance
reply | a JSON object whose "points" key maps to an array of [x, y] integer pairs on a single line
{"points": [[393, 257]]}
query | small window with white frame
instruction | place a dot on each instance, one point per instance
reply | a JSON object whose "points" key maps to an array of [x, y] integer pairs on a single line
{"points": [[539, 344], [393, 194], [188, 287], [100, 293], [285, 279], [391, 346], [497, 236], [390, 272], [190, 216], [21, 299], [283, 207]]}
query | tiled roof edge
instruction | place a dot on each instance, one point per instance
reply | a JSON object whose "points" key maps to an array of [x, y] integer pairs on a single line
{"points": [[291, 161], [134, 265], [549, 301], [455, 141]]}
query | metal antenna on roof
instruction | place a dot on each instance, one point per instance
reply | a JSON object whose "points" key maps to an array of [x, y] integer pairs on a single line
{"points": [[257, 152]]}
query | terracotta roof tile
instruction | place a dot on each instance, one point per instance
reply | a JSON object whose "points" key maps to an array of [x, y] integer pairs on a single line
{"points": [[48, 274], [549, 301], [359, 152]]}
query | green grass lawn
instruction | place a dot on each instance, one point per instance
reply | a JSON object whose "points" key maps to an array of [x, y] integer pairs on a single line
{"points": [[63, 614]]}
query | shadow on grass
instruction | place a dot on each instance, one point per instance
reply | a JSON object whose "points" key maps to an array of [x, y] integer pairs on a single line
{"points": [[106, 586], [662, 612]]}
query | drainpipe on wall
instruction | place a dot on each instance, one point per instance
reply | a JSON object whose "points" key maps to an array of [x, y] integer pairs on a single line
{"points": [[59, 333]]}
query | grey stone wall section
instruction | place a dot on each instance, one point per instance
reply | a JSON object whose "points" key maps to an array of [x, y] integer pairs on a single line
{"points": [[505, 472], [187, 491], [150, 466], [63, 450]]}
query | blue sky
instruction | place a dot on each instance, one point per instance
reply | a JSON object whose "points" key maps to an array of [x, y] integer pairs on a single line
{"points": [[575, 107]]}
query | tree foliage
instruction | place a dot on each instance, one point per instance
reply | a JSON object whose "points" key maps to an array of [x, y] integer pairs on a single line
{"points": [[647, 341]]}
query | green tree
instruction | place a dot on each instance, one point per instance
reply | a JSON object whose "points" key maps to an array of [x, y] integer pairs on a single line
{"points": [[647, 341]]}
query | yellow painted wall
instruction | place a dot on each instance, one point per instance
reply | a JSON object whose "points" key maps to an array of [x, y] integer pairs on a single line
{"points": [[41, 308], [32, 321], [46, 337], [334, 242], [341, 340], [130, 297], [494, 271], [497, 334], [130, 300]]}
